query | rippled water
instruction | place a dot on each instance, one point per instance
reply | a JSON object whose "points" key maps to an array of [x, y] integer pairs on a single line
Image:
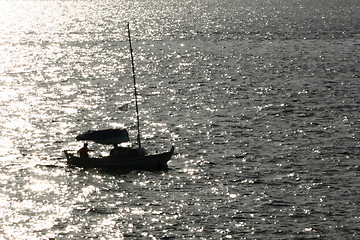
{"points": [[260, 98]]}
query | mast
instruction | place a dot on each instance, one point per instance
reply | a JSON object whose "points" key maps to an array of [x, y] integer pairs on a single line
{"points": [[135, 92]]}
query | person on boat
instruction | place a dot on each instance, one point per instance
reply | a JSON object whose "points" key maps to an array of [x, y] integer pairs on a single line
{"points": [[115, 151], [84, 151], [119, 151]]}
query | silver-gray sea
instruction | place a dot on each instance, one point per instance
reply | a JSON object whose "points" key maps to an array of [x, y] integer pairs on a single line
{"points": [[259, 97]]}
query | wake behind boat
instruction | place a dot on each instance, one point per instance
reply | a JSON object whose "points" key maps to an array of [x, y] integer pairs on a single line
{"points": [[119, 157]]}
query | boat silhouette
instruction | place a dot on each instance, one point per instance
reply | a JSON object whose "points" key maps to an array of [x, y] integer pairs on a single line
{"points": [[125, 158]]}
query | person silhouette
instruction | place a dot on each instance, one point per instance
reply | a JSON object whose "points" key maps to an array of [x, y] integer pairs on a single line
{"points": [[84, 151]]}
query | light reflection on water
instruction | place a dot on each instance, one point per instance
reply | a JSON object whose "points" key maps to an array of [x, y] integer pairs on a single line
{"points": [[264, 121]]}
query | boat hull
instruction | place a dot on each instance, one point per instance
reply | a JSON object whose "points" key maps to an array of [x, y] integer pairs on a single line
{"points": [[157, 161]]}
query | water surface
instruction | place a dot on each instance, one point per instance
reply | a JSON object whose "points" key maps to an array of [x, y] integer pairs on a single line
{"points": [[260, 99]]}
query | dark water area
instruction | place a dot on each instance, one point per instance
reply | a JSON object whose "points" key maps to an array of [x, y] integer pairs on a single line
{"points": [[260, 99]]}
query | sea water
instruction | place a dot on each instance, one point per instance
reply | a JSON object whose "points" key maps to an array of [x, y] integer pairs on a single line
{"points": [[260, 98]]}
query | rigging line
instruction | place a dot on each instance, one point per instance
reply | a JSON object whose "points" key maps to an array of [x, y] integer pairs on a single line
{"points": [[135, 91]]}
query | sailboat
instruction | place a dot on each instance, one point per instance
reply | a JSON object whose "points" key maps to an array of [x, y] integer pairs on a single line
{"points": [[124, 158]]}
